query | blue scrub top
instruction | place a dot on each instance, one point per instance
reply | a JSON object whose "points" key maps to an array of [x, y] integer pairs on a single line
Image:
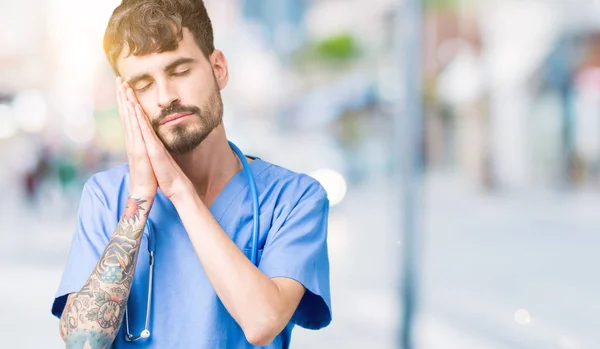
{"points": [[186, 311]]}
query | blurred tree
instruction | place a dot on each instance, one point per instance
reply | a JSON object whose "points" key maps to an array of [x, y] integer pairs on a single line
{"points": [[334, 50], [340, 47], [444, 4]]}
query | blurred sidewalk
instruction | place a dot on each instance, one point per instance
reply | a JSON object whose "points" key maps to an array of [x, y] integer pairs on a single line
{"points": [[483, 258]]}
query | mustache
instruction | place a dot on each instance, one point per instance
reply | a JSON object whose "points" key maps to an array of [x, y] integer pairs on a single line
{"points": [[177, 108]]}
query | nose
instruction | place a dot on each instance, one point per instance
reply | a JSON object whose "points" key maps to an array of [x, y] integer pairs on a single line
{"points": [[167, 95]]}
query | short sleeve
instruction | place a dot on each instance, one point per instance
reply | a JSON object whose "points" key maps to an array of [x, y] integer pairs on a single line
{"points": [[89, 241], [298, 250]]}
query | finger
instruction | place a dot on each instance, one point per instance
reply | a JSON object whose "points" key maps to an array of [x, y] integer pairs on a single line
{"points": [[130, 94], [135, 127], [157, 153], [127, 116], [147, 132], [132, 103], [119, 98], [122, 107], [118, 90]]}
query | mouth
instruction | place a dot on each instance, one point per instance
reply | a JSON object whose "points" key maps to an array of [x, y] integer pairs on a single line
{"points": [[175, 118]]}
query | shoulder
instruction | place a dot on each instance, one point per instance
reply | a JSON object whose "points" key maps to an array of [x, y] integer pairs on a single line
{"points": [[109, 184], [290, 187]]}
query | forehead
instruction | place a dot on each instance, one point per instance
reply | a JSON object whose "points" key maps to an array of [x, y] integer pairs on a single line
{"points": [[130, 65]]}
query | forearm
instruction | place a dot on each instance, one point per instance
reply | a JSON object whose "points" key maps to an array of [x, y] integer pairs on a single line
{"points": [[94, 314], [250, 296]]}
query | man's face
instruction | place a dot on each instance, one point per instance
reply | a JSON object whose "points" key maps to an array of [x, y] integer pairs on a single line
{"points": [[179, 92]]}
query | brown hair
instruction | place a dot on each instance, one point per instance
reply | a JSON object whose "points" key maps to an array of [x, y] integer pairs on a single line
{"points": [[148, 26]]}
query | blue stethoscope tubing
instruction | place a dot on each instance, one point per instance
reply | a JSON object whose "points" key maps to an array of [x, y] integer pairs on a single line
{"points": [[255, 208], [152, 244]]}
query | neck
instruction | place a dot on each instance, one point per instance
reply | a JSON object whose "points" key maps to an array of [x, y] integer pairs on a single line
{"points": [[210, 166]]}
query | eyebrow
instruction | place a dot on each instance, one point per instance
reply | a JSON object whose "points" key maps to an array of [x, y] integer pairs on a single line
{"points": [[170, 67]]}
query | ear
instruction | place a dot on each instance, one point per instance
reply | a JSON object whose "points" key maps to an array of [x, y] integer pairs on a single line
{"points": [[219, 66]]}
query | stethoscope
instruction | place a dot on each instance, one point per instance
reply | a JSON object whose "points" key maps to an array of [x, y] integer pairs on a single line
{"points": [[151, 246]]}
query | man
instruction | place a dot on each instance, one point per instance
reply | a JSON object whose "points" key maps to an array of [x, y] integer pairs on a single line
{"points": [[185, 183]]}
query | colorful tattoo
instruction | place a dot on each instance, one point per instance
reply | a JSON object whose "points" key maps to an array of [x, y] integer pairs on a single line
{"points": [[116, 265], [108, 309], [132, 210], [88, 339], [100, 304]]}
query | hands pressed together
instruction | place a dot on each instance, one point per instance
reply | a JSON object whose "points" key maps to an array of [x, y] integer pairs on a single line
{"points": [[150, 164]]}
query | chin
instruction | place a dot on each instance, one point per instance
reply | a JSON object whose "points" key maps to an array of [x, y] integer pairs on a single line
{"points": [[184, 137], [184, 142]]}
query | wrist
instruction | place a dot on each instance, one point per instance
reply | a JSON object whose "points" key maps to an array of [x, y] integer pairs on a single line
{"points": [[183, 194], [142, 191], [144, 195]]}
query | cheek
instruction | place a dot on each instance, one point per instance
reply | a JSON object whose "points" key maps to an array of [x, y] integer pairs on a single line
{"points": [[148, 104], [196, 90]]}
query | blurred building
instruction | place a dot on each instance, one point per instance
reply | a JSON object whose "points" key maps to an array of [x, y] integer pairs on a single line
{"points": [[507, 103], [281, 21]]}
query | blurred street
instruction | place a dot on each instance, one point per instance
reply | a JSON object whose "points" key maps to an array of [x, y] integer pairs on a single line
{"points": [[484, 257], [496, 102]]}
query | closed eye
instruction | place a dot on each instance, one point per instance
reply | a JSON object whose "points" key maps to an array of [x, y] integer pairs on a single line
{"points": [[144, 88], [181, 73]]}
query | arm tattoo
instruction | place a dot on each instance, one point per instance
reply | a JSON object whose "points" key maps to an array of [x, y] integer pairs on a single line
{"points": [[116, 265], [132, 210], [94, 315], [88, 339]]}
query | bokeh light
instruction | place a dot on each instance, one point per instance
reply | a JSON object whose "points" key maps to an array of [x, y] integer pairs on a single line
{"points": [[333, 183], [8, 124], [31, 111], [522, 317]]}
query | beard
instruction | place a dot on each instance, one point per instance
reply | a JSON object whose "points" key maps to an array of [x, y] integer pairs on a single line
{"points": [[186, 136]]}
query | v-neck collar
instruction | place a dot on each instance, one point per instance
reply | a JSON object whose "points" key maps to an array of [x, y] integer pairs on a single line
{"points": [[236, 185]]}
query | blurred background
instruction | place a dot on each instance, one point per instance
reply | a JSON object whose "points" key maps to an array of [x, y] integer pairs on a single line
{"points": [[504, 216]]}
